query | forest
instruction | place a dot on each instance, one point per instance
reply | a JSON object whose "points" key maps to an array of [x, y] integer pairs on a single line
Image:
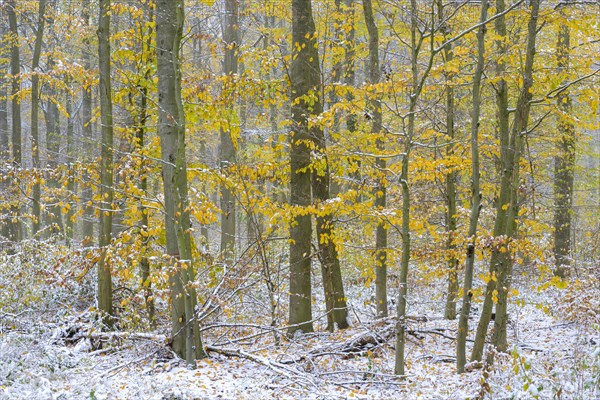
{"points": [[319, 199]]}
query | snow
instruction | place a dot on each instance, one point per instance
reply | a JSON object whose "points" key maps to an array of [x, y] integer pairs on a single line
{"points": [[554, 339]]}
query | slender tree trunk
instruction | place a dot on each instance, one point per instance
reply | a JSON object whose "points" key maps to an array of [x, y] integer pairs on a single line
{"points": [[186, 341], [463, 323], [410, 132], [502, 117], [143, 181], [564, 164], [507, 207], [106, 171], [519, 130], [380, 163], [86, 116], [231, 40], [305, 80], [53, 216], [451, 223], [35, 107], [69, 222], [335, 299], [15, 233], [4, 140]]}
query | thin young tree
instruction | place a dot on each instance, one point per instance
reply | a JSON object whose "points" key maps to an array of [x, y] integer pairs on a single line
{"points": [[380, 185], [35, 107], [87, 128], [463, 322], [450, 193], [15, 229]]}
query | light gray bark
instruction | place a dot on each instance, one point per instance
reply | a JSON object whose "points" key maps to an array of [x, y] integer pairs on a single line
{"points": [[185, 332]]}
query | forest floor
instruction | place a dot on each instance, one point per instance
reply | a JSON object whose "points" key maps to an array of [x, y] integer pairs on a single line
{"points": [[555, 353]]}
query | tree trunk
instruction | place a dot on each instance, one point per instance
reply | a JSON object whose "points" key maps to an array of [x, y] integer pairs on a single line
{"points": [[143, 180], [564, 164], [463, 323], [69, 216], [305, 80], [106, 166], [452, 292], [231, 39], [14, 230], [53, 215], [4, 140], [507, 207], [86, 116], [380, 163], [410, 132], [35, 107], [186, 341]]}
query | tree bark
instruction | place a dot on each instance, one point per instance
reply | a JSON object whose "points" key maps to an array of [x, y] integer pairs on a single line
{"points": [[35, 107], [4, 139], [186, 341], [463, 323], [405, 232], [381, 182], [305, 80], [106, 164], [87, 129], [564, 164], [141, 123], [231, 39], [15, 229], [507, 206], [451, 223]]}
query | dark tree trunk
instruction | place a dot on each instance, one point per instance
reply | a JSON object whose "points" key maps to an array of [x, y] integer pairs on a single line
{"points": [[564, 165], [106, 168], [305, 82], [231, 39], [14, 230], [35, 107]]}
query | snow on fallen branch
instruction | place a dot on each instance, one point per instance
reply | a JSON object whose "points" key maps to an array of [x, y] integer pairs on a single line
{"points": [[275, 366]]}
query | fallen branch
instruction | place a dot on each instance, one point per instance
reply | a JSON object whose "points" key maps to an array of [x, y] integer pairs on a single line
{"points": [[272, 365]]}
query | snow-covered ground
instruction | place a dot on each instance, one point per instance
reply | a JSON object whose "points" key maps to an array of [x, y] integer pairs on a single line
{"points": [[554, 335], [551, 358]]}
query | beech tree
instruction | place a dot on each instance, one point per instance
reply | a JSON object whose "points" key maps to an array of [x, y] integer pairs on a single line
{"points": [[185, 333], [106, 173]]}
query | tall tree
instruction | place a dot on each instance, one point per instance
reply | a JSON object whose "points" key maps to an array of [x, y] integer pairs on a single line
{"points": [[4, 137], [507, 206], [451, 217], [416, 86], [381, 182], [87, 127], [305, 102], [35, 106], [564, 162], [186, 341], [106, 164], [141, 123], [15, 70], [463, 323], [231, 39]]}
